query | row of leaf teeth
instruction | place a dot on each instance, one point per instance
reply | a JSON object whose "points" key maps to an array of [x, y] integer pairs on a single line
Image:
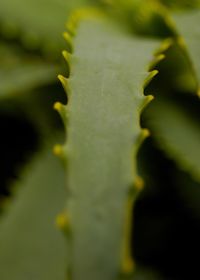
{"points": [[61, 151], [71, 27], [62, 220], [68, 36], [138, 184]]}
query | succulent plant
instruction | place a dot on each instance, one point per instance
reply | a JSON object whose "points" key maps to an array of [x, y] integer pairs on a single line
{"points": [[125, 182]]}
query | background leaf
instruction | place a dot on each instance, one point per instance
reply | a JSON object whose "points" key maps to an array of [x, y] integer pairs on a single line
{"points": [[21, 71], [176, 132], [39, 23], [31, 247], [187, 25]]}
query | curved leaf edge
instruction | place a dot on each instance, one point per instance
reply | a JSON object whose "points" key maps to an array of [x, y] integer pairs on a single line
{"points": [[63, 221]]}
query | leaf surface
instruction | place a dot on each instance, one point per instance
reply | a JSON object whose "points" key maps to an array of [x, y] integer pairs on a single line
{"points": [[105, 88], [20, 72], [31, 247], [177, 133], [40, 23]]}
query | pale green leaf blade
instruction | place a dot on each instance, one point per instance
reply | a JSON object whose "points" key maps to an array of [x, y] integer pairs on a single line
{"points": [[31, 247], [108, 69], [177, 133]]}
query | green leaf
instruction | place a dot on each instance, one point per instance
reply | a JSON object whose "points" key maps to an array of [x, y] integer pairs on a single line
{"points": [[21, 72], [175, 73], [25, 107], [31, 247], [187, 26], [40, 23], [105, 91], [148, 18], [177, 133]]}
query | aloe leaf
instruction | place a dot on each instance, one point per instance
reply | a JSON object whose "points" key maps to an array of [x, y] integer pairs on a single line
{"points": [[31, 247], [175, 73], [21, 72], [25, 108], [30, 117], [177, 133], [40, 23], [170, 206], [179, 137], [109, 67], [189, 30]]}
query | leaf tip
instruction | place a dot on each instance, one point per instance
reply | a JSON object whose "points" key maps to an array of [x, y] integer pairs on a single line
{"points": [[146, 101], [66, 55], [64, 81], [62, 110], [181, 42], [166, 44], [68, 38], [145, 133], [58, 150], [156, 61], [198, 92], [139, 183], [62, 221], [128, 266], [150, 76], [57, 106]]}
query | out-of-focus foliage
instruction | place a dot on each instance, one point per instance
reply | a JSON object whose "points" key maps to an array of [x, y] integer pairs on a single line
{"points": [[21, 71], [29, 240], [190, 32], [180, 131], [37, 24]]}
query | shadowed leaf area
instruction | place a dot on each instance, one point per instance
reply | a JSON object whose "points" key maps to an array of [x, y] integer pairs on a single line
{"points": [[29, 239], [167, 217], [18, 141]]}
